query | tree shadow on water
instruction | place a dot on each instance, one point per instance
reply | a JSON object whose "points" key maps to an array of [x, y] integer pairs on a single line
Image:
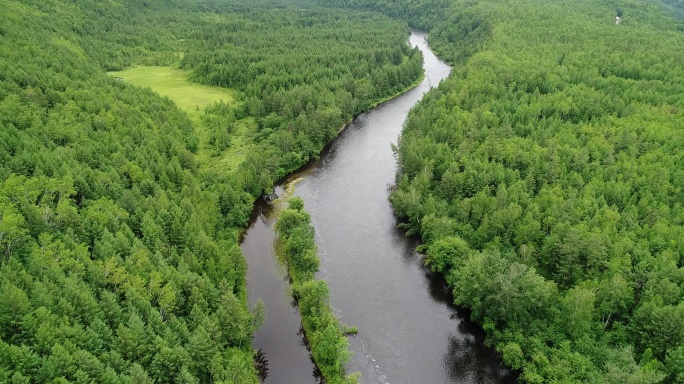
{"points": [[261, 365], [468, 361]]}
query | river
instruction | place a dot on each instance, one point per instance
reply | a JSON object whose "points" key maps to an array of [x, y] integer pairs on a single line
{"points": [[409, 332]]}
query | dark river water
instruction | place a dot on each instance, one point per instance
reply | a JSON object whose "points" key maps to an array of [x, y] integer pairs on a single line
{"points": [[409, 332]]}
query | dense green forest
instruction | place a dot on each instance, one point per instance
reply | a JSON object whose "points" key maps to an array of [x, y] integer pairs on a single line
{"points": [[675, 7], [545, 179], [303, 74], [117, 265], [119, 257], [325, 335]]}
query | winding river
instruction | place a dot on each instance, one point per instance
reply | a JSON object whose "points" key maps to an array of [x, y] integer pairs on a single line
{"points": [[409, 332]]}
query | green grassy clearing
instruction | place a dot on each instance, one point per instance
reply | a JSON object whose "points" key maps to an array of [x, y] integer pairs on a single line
{"points": [[193, 98], [174, 84], [230, 158]]}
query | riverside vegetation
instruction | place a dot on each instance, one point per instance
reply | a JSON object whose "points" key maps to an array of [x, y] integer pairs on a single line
{"points": [[545, 180], [544, 176], [326, 336], [119, 257]]}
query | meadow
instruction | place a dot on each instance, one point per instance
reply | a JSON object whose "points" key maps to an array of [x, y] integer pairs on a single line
{"points": [[193, 99]]}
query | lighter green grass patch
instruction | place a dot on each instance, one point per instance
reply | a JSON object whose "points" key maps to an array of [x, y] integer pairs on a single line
{"points": [[174, 84], [193, 98], [235, 154]]}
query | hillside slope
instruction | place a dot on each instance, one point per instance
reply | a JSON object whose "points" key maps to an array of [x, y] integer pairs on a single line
{"points": [[545, 176], [119, 257]]}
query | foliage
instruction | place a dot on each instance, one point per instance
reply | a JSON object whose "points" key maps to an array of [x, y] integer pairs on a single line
{"points": [[119, 256], [325, 334], [544, 178], [419, 14], [116, 265], [302, 73]]}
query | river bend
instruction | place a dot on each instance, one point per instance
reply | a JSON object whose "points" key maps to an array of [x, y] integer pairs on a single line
{"points": [[409, 332]]}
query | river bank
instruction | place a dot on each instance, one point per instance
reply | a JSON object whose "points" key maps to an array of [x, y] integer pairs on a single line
{"points": [[408, 330]]}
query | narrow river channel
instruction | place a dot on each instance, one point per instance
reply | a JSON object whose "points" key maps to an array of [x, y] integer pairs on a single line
{"points": [[409, 332]]}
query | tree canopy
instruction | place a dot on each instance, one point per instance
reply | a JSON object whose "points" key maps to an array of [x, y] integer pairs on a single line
{"points": [[544, 177], [119, 256]]}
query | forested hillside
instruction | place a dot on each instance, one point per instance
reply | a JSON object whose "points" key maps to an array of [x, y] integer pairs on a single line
{"points": [[545, 179], [118, 250], [116, 266], [676, 7], [302, 73]]}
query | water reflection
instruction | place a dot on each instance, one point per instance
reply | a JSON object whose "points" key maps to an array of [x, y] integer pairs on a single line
{"points": [[467, 351], [283, 356], [261, 364], [464, 364], [409, 330]]}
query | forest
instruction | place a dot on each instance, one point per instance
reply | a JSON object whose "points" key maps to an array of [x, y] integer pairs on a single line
{"points": [[119, 256], [544, 178]]}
